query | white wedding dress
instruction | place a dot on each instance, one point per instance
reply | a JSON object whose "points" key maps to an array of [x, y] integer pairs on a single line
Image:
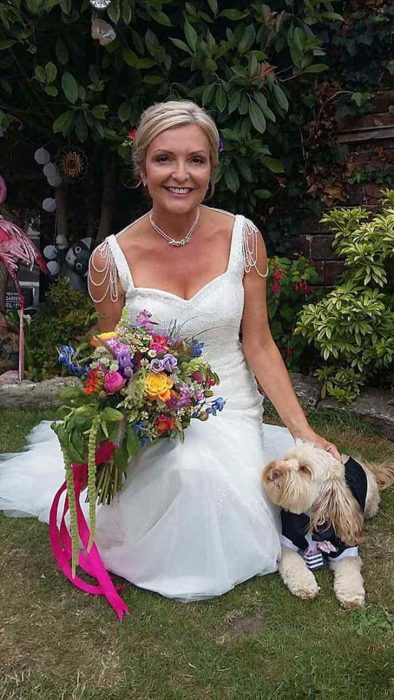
{"points": [[191, 521]]}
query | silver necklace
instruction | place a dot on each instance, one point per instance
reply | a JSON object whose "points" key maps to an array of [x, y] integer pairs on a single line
{"points": [[175, 241]]}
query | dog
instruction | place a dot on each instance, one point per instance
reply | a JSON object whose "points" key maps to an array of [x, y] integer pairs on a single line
{"points": [[324, 503]]}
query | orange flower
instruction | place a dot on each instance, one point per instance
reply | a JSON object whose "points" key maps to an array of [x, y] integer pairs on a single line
{"points": [[98, 340], [165, 423], [94, 382]]}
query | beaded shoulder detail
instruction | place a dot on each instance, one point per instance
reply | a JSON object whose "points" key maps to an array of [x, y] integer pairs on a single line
{"points": [[249, 247], [102, 266]]}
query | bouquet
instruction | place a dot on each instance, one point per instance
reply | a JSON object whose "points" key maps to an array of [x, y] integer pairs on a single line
{"points": [[140, 384]]}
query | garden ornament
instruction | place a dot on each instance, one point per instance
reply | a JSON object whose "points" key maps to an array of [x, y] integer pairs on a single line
{"points": [[16, 247], [100, 4], [41, 156], [72, 163], [102, 32], [49, 205]]}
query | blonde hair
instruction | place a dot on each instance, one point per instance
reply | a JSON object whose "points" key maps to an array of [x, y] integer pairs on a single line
{"points": [[167, 115]]}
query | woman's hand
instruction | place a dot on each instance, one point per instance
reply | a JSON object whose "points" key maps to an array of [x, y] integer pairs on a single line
{"points": [[309, 435]]}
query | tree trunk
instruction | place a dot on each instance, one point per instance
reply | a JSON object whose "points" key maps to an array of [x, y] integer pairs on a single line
{"points": [[108, 198]]}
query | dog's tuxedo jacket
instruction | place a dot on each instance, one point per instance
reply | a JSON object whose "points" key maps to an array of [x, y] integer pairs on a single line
{"points": [[317, 547]]}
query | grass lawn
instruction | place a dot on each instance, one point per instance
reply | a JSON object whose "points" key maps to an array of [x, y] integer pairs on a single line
{"points": [[257, 642]]}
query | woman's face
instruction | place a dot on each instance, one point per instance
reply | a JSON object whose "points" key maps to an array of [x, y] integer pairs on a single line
{"points": [[178, 168]]}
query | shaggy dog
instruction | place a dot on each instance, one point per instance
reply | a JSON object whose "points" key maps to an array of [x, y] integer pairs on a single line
{"points": [[324, 503]]}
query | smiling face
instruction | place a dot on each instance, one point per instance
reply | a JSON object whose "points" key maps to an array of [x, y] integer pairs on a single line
{"points": [[178, 168]]}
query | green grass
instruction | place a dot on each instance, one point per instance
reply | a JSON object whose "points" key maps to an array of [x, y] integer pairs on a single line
{"points": [[257, 642]]}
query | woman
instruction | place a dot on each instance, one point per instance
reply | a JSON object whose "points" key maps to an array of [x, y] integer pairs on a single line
{"points": [[191, 521]]}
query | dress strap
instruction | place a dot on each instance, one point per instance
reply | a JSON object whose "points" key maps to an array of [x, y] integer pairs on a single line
{"points": [[110, 268], [249, 247]]}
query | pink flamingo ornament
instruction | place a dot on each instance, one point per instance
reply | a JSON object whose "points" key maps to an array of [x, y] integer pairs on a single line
{"points": [[16, 247]]}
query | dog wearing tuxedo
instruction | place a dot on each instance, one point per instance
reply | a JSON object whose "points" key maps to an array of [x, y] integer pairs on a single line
{"points": [[323, 505]]}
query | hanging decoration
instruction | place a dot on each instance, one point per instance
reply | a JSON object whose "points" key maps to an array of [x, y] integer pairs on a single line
{"points": [[103, 32], [100, 4], [17, 247], [72, 164], [72, 264], [3, 190], [41, 156], [49, 205]]}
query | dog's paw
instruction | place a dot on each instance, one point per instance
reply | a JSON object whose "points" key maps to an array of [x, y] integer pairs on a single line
{"points": [[352, 601], [306, 590], [303, 584]]}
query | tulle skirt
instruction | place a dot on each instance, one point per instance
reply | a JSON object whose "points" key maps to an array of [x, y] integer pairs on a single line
{"points": [[191, 521]]}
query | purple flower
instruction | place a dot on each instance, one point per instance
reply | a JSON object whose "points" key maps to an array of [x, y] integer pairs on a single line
{"points": [[143, 320], [156, 365], [221, 145], [169, 362], [128, 372], [124, 359], [199, 395]]}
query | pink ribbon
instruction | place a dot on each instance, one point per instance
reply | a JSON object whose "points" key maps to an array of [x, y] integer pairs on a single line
{"points": [[90, 562]]}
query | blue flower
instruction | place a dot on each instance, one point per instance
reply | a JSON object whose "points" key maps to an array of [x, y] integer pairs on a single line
{"points": [[66, 357], [216, 406], [197, 348]]}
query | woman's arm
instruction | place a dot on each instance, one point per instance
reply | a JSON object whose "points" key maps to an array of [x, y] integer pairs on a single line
{"points": [[264, 358], [106, 293]]}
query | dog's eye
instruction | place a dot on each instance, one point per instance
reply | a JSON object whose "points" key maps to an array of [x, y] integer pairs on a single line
{"points": [[304, 470]]}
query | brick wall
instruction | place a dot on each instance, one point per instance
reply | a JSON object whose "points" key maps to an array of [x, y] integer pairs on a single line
{"points": [[370, 140]]}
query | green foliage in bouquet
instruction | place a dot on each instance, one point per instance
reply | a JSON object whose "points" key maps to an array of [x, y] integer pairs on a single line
{"points": [[288, 287], [65, 316], [353, 326]]}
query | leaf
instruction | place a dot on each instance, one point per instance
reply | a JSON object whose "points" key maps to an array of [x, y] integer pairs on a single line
{"points": [[191, 35], [63, 123], [40, 73], [263, 194], [280, 97], [247, 39], [152, 42], [153, 79], [233, 14], [126, 12], [81, 128], [257, 117], [61, 51], [160, 17], [70, 87], [50, 72], [316, 68], [220, 99], [51, 90], [132, 442], [273, 164], [130, 57], [111, 414], [208, 94], [214, 6], [181, 45], [262, 103], [99, 111], [6, 44], [113, 11], [231, 178], [124, 111], [234, 101]]}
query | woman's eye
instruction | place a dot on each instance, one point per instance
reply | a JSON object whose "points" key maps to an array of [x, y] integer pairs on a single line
{"points": [[200, 161]]}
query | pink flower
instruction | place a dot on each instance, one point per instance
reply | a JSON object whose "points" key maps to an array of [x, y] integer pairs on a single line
{"points": [[105, 451], [113, 381], [275, 289]]}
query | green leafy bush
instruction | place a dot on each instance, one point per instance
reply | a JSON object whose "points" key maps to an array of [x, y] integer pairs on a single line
{"points": [[288, 287], [64, 318], [353, 326]]}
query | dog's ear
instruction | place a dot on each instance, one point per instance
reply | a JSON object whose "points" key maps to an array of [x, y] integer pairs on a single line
{"points": [[336, 506]]}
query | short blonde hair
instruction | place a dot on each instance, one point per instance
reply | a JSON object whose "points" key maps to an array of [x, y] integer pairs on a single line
{"points": [[166, 115]]}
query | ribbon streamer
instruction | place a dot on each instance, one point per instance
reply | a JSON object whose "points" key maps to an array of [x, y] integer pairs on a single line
{"points": [[90, 562]]}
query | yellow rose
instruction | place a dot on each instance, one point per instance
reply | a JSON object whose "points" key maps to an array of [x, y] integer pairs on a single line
{"points": [[157, 386], [102, 337]]}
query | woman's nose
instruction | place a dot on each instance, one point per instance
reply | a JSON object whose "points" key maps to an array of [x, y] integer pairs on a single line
{"points": [[180, 171]]}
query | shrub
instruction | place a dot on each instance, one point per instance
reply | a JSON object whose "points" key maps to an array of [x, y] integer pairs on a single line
{"points": [[288, 287], [65, 317], [353, 326]]}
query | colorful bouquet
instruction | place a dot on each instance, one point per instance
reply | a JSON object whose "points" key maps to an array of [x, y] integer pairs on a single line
{"points": [[140, 384]]}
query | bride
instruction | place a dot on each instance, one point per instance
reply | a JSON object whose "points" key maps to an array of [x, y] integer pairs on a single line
{"points": [[191, 521]]}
